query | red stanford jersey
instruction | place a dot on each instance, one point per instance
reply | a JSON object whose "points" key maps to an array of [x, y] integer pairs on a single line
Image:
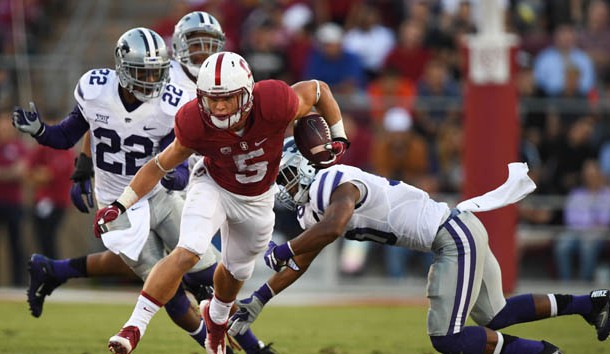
{"points": [[246, 165]]}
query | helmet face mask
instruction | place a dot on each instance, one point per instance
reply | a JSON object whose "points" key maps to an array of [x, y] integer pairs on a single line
{"points": [[223, 76], [196, 36], [231, 100], [142, 63], [295, 177]]}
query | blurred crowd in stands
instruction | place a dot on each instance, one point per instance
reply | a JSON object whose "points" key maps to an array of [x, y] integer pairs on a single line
{"points": [[24, 25], [395, 66], [41, 171]]}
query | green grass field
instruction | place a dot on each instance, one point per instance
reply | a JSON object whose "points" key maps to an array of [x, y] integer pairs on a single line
{"points": [[85, 328]]}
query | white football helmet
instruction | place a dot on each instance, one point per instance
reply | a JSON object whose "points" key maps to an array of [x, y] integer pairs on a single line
{"points": [[223, 75], [202, 33], [295, 172], [142, 63]]}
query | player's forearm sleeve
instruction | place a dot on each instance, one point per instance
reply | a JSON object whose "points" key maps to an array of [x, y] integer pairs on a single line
{"points": [[65, 134]]}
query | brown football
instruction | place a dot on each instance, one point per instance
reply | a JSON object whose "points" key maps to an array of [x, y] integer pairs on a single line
{"points": [[311, 134]]}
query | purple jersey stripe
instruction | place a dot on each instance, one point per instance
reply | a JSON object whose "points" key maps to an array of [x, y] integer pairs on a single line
{"points": [[363, 199], [460, 277], [334, 185], [336, 181], [321, 192]]}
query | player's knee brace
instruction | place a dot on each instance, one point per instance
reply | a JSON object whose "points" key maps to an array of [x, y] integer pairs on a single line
{"points": [[178, 305]]}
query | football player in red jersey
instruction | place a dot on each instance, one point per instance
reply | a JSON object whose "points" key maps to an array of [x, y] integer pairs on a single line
{"points": [[239, 127]]}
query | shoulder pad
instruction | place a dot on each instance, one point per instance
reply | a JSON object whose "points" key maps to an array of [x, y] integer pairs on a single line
{"points": [[92, 83], [323, 186], [172, 98]]}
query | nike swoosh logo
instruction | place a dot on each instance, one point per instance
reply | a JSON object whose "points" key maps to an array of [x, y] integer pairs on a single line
{"points": [[260, 142], [148, 128], [147, 309], [39, 290]]}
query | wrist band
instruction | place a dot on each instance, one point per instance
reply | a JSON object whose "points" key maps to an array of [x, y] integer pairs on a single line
{"points": [[337, 130], [317, 91], [159, 165]]}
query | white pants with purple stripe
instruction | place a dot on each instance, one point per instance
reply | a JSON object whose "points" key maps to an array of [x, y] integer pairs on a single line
{"points": [[465, 278]]}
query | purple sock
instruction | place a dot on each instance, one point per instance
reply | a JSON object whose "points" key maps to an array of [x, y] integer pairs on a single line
{"points": [[70, 268], [202, 277], [200, 337], [178, 305], [573, 305], [248, 342], [264, 293], [521, 345], [518, 309]]}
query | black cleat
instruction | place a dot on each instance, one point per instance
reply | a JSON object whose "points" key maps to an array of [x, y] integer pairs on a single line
{"points": [[200, 292], [599, 315], [42, 282]]}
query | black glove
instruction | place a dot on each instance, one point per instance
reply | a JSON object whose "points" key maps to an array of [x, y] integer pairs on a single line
{"points": [[82, 183]]}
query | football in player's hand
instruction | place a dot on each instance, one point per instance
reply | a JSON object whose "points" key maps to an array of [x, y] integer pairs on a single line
{"points": [[311, 134]]}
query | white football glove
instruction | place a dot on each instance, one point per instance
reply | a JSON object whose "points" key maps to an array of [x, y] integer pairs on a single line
{"points": [[248, 311], [28, 121]]}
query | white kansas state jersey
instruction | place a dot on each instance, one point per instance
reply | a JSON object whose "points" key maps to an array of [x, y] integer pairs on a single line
{"points": [[179, 77], [122, 141], [389, 212]]}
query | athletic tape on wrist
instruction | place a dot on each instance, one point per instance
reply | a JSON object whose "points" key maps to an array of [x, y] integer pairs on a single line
{"points": [[337, 130], [128, 198]]}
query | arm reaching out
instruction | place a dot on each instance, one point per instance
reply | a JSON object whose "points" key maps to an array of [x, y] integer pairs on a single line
{"points": [[292, 259], [249, 309], [337, 215]]}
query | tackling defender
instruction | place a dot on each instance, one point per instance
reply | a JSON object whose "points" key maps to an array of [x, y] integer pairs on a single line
{"points": [[465, 278]]}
